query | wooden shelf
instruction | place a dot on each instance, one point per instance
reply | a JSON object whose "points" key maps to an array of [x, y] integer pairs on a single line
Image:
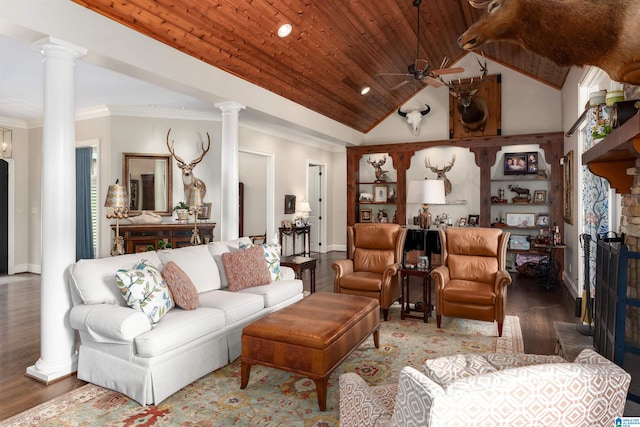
{"points": [[618, 152]]}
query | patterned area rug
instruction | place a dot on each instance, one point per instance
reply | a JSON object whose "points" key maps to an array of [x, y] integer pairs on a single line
{"points": [[274, 397]]}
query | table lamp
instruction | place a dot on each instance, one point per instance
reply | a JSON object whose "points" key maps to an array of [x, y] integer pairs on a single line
{"points": [[305, 208], [428, 192], [195, 208], [116, 205]]}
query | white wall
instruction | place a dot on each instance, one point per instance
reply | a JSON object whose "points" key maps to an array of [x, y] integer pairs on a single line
{"points": [[252, 171], [528, 106]]}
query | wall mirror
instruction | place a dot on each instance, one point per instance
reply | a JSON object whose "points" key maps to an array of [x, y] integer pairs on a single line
{"points": [[148, 182]]}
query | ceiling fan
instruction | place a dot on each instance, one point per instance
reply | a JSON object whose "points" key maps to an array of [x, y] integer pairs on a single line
{"points": [[420, 70]]}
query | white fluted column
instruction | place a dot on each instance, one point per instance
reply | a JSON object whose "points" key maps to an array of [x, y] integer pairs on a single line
{"points": [[230, 217], [58, 357]]}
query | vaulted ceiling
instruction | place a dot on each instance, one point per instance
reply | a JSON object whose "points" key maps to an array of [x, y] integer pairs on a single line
{"points": [[337, 47]]}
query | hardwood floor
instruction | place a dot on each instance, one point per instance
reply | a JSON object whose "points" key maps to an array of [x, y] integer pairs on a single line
{"points": [[536, 307]]}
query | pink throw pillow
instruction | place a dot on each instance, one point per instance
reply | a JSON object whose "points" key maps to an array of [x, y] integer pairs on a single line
{"points": [[184, 292], [246, 268]]}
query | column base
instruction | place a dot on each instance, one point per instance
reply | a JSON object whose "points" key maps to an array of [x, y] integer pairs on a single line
{"points": [[49, 377]]}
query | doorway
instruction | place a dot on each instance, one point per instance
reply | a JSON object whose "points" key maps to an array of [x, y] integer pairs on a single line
{"points": [[316, 197], [4, 217]]}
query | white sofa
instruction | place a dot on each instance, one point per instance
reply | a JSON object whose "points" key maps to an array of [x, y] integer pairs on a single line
{"points": [[120, 350], [497, 390]]}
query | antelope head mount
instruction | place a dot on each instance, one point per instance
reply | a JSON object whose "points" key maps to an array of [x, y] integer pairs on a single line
{"points": [[189, 180]]}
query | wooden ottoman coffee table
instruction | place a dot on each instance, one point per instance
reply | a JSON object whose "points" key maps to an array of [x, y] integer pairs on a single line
{"points": [[311, 337]]}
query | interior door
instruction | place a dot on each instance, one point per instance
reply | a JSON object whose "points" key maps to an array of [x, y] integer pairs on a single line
{"points": [[315, 202]]}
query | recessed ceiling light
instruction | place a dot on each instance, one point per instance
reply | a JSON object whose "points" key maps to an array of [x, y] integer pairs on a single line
{"points": [[365, 90], [285, 30]]}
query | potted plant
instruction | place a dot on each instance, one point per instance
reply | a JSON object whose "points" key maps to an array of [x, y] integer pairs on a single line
{"points": [[182, 210]]}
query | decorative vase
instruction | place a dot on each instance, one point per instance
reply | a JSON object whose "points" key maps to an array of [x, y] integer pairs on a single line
{"points": [[183, 214]]}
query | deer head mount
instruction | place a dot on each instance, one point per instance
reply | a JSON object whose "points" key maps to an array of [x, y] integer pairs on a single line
{"points": [[189, 180], [381, 175], [441, 173], [473, 109]]}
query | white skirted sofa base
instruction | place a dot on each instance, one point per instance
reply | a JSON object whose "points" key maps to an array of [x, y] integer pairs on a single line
{"points": [[491, 390], [120, 350]]}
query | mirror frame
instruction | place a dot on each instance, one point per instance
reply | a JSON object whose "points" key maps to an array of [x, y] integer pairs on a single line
{"points": [[127, 157]]}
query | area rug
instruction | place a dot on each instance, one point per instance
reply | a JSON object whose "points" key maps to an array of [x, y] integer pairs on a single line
{"points": [[274, 397]]}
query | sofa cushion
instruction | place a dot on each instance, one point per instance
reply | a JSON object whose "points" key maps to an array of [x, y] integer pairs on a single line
{"points": [[216, 249], [246, 268], [144, 289], [235, 305], [94, 279], [445, 370], [184, 293], [197, 262], [178, 328], [271, 256], [276, 292]]}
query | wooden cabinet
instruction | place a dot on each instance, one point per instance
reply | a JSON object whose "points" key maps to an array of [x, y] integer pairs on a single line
{"points": [[138, 237]]}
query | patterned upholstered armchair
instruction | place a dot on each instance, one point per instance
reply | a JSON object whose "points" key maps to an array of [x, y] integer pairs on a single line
{"points": [[497, 390], [472, 281], [374, 253]]}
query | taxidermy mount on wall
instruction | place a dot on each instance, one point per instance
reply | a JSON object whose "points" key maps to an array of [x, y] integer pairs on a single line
{"points": [[569, 32], [188, 178]]}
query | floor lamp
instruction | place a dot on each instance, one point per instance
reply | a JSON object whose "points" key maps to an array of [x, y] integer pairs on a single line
{"points": [[195, 209], [116, 205], [428, 192]]}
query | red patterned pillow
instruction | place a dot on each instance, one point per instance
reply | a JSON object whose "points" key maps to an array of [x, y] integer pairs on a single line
{"points": [[246, 268], [184, 292]]}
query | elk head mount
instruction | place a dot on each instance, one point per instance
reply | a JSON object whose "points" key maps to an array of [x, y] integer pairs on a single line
{"points": [[473, 109], [414, 118], [441, 173], [189, 180], [564, 32]]}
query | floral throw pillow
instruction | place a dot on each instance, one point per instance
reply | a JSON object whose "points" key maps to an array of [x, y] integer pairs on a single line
{"points": [[184, 293], [246, 268], [272, 257], [144, 289]]}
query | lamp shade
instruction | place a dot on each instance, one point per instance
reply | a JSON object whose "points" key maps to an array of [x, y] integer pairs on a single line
{"points": [[195, 197], [115, 196], [304, 207], [426, 191], [6, 144]]}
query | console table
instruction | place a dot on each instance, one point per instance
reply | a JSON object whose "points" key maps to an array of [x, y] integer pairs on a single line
{"points": [[138, 237], [293, 231]]}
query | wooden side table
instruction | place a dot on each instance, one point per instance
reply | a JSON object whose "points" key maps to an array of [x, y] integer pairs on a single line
{"points": [[299, 264], [294, 232], [553, 278], [405, 274]]}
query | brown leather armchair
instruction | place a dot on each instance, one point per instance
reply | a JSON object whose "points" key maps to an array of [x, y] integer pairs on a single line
{"points": [[374, 254], [472, 281]]}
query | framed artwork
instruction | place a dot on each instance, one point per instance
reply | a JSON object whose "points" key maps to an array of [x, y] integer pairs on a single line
{"points": [[380, 193], [365, 215], [286, 223], [205, 211], [521, 163], [473, 220], [462, 222], [521, 219], [299, 222], [567, 186], [133, 194], [289, 204], [542, 220], [540, 196]]}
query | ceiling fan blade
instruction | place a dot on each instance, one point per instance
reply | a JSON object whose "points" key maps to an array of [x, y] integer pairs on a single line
{"points": [[401, 84], [452, 70], [421, 64], [394, 74], [432, 82]]}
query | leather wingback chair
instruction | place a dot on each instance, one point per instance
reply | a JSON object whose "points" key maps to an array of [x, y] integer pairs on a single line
{"points": [[472, 281], [374, 253]]}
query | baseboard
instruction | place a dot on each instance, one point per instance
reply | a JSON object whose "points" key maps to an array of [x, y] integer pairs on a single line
{"points": [[337, 248]]}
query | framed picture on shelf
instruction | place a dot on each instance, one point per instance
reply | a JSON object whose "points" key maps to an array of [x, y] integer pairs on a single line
{"points": [[299, 222], [205, 212], [365, 215], [542, 220], [540, 196], [462, 222], [474, 220], [521, 219], [286, 223], [380, 193], [521, 163]]}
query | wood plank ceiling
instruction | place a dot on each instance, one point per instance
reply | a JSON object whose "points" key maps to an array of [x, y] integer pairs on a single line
{"points": [[336, 48]]}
